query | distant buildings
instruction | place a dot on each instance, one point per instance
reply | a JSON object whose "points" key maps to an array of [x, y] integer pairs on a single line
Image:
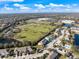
{"points": [[42, 20], [67, 21], [75, 28], [47, 19]]}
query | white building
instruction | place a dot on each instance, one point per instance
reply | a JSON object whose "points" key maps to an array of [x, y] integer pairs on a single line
{"points": [[67, 46], [43, 19], [68, 21], [75, 29]]}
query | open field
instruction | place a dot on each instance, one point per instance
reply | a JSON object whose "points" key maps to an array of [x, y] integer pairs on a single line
{"points": [[33, 31]]}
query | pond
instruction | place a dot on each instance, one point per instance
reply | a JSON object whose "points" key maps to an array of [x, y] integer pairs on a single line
{"points": [[76, 39], [9, 42], [4, 41]]}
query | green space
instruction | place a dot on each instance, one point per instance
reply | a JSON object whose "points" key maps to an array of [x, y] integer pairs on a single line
{"points": [[75, 51], [33, 31]]}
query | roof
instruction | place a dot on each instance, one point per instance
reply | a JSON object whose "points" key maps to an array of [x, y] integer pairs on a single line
{"points": [[54, 55], [68, 21]]}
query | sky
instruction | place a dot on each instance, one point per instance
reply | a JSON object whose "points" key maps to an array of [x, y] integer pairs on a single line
{"points": [[38, 6]]}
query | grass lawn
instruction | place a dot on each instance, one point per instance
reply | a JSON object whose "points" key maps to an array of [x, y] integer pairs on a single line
{"points": [[75, 51], [32, 32], [62, 57]]}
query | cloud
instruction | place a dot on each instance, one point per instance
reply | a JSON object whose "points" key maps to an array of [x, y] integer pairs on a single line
{"points": [[22, 6], [56, 5], [18, 5], [75, 5], [68, 6], [11, 0], [39, 6], [6, 8], [15, 8], [67, 9], [51, 7]]}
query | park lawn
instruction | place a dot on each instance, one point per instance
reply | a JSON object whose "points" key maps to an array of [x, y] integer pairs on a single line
{"points": [[32, 32]]}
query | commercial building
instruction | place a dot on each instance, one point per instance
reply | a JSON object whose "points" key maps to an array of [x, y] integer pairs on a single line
{"points": [[68, 21]]}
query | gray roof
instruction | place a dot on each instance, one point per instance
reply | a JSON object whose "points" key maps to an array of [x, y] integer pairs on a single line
{"points": [[54, 55]]}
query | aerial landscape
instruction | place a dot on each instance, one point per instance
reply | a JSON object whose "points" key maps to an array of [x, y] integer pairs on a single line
{"points": [[39, 29]]}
